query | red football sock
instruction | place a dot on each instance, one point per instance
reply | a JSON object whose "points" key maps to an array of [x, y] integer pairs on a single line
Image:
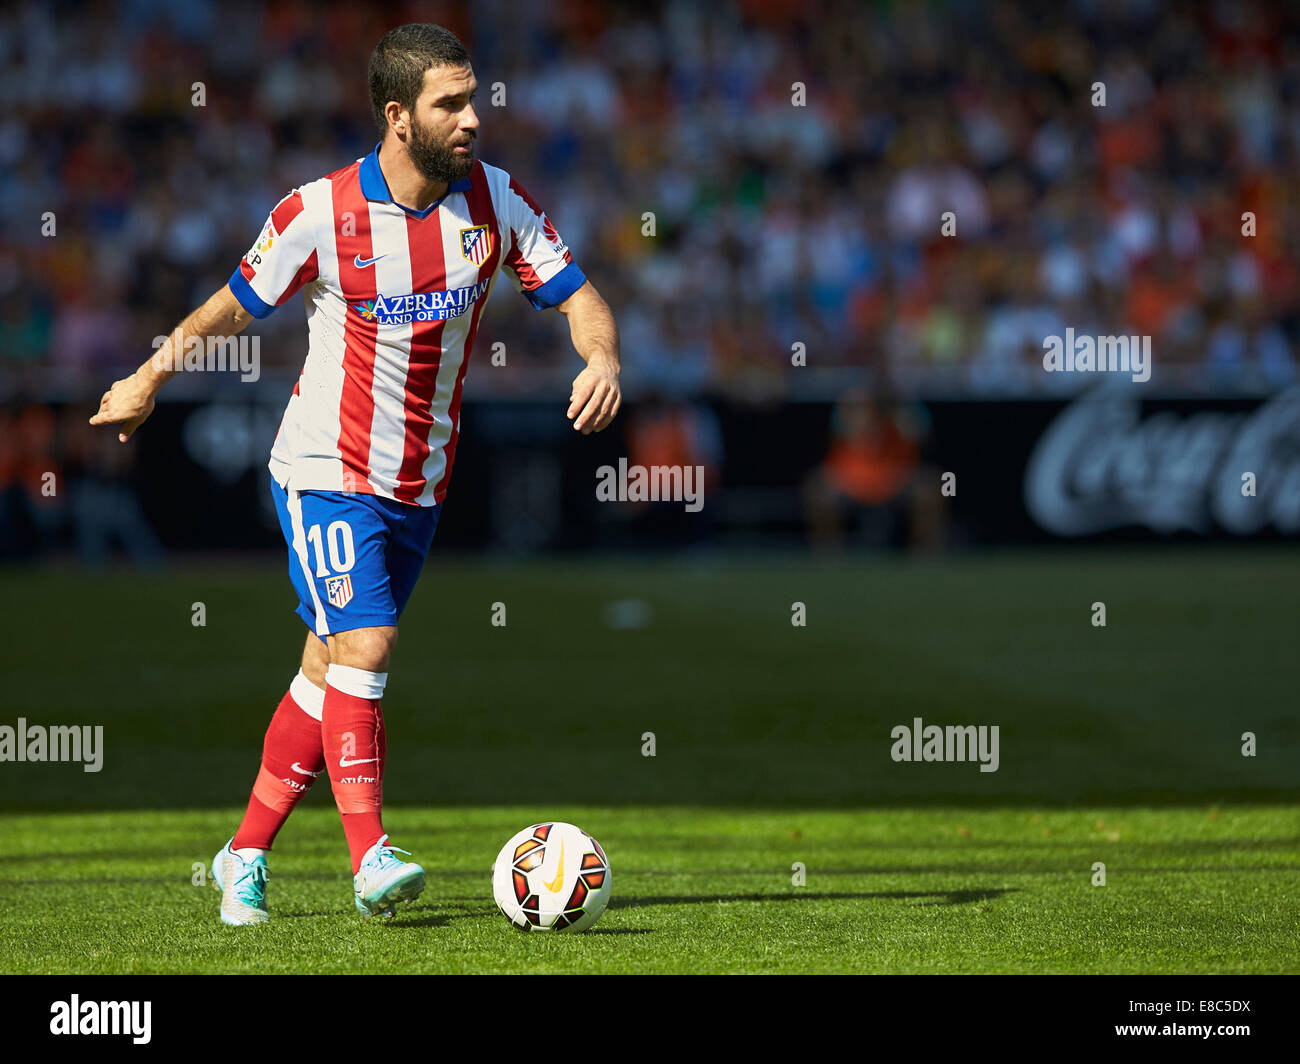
{"points": [[293, 756], [355, 750]]}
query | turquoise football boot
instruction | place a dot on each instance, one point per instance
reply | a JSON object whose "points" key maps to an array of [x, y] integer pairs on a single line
{"points": [[242, 885], [384, 879]]}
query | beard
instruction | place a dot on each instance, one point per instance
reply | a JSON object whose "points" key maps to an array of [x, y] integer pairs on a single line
{"points": [[438, 161]]}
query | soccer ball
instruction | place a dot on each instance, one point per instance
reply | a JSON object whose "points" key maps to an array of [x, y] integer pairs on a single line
{"points": [[551, 877]]}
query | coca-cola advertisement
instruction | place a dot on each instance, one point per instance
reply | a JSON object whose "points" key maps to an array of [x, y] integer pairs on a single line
{"points": [[1108, 461]]}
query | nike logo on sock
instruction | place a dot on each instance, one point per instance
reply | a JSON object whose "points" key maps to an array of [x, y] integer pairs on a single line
{"points": [[349, 762], [295, 767]]}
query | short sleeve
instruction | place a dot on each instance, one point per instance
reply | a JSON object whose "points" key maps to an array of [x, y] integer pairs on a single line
{"points": [[539, 262], [280, 263]]}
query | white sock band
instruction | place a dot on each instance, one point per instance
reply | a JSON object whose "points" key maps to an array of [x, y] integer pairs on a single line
{"points": [[356, 682], [310, 698]]}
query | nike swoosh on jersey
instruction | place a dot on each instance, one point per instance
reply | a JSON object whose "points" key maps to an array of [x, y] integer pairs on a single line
{"points": [[361, 263]]}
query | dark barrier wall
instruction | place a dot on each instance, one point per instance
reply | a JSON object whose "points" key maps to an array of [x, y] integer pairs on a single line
{"points": [[1112, 465]]}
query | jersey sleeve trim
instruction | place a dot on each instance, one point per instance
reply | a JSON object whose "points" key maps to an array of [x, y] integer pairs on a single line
{"points": [[248, 299], [557, 289]]}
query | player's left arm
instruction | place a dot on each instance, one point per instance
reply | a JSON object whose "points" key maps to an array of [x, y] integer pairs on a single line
{"points": [[596, 397]]}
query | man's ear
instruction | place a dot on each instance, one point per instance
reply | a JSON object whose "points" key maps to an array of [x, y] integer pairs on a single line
{"points": [[400, 121]]}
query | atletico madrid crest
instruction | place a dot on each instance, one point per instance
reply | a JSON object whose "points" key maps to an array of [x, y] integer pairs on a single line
{"points": [[476, 244], [338, 589]]}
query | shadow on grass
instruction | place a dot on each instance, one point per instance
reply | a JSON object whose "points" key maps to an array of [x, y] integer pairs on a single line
{"points": [[442, 920], [427, 918], [423, 917], [950, 897]]}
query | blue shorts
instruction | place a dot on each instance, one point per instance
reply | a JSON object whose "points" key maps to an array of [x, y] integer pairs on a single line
{"points": [[353, 558]]}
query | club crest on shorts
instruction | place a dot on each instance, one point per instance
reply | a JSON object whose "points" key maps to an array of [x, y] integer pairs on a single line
{"points": [[338, 589], [476, 244]]}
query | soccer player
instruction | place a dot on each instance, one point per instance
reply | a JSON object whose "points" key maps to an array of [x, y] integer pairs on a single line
{"points": [[396, 256]]}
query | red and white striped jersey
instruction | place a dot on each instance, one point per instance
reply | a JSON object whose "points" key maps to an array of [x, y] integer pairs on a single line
{"points": [[393, 303]]}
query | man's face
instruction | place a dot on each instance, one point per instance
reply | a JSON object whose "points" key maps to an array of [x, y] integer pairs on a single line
{"points": [[444, 125]]}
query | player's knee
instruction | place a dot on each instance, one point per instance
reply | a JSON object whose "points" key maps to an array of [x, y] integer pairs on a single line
{"points": [[364, 648]]}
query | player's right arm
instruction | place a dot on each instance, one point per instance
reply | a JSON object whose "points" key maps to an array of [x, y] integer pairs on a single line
{"points": [[131, 399], [276, 267]]}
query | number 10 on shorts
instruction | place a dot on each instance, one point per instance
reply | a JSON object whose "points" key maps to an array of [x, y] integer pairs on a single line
{"points": [[338, 538]]}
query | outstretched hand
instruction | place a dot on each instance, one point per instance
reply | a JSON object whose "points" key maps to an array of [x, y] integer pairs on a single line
{"points": [[129, 401]]}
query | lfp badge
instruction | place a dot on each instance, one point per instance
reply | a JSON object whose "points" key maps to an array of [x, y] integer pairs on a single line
{"points": [[476, 244]]}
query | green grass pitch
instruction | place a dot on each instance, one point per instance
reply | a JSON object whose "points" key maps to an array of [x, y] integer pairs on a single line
{"points": [[1119, 745]]}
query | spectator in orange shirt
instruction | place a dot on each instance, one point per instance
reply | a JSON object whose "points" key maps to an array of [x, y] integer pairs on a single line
{"points": [[679, 434], [873, 470]]}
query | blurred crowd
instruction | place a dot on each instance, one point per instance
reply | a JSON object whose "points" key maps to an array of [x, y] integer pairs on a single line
{"points": [[797, 158], [67, 487]]}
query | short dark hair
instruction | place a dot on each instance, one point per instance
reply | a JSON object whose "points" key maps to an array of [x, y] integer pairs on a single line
{"points": [[401, 57]]}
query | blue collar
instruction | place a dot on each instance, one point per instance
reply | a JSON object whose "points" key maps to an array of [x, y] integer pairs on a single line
{"points": [[374, 187]]}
